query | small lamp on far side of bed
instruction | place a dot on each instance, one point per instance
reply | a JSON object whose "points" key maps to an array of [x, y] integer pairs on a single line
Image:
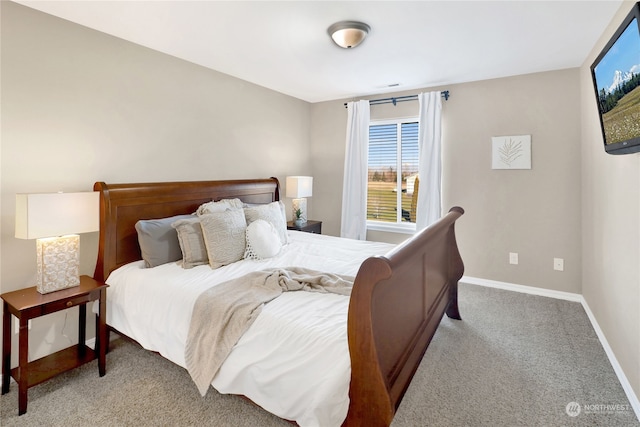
{"points": [[298, 188], [54, 219]]}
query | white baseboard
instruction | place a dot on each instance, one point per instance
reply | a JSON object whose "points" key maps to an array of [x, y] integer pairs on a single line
{"points": [[633, 399], [626, 386], [569, 296]]}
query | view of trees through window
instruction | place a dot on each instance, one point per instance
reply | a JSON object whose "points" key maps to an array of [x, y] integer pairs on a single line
{"points": [[392, 170]]}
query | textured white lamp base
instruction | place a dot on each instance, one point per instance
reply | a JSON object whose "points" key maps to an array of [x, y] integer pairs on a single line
{"points": [[302, 205], [58, 261]]}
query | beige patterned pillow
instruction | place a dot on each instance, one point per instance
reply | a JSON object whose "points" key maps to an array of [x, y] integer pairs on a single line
{"points": [[270, 212], [219, 206], [194, 251], [224, 236]]}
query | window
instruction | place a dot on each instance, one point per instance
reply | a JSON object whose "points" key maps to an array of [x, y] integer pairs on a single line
{"points": [[392, 169]]}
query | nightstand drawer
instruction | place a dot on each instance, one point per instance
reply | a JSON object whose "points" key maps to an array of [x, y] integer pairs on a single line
{"points": [[52, 307], [316, 229], [310, 226]]}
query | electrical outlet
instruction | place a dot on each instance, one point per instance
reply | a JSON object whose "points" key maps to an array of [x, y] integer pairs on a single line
{"points": [[558, 264], [513, 258], [16, 326]]}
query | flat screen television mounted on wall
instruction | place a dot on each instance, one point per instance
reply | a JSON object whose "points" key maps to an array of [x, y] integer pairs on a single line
{"points": [[616, 78]]}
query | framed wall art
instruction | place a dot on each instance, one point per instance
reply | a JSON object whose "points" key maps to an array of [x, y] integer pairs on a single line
{"points": [[511, 152]]}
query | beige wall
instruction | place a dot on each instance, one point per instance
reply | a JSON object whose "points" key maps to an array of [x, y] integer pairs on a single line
{"points": [[611, 229], [79, 106], [535, 213]]}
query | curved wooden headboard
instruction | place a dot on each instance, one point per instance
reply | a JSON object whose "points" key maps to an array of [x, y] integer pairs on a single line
{"points": [[122, 205]]}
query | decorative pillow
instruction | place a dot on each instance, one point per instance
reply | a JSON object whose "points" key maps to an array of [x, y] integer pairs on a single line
{"points": [[158, 240], [224, 236], [219, 206], [263, 240], [270, 212], [194, 251]]}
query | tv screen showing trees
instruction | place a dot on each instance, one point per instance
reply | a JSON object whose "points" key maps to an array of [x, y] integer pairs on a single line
{"points": [[616, 77]]}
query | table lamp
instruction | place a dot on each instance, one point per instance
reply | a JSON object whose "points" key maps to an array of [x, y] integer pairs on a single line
{"points": [[299, 187], [55, 219]]}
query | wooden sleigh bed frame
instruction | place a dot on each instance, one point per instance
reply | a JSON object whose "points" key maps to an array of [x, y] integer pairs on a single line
{"points": [[396, 303]]}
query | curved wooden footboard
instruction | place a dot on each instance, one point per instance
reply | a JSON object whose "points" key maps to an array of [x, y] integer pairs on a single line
{"points": [[396, 305]]}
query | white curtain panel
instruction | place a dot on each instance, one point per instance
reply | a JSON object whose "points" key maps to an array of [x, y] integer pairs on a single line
{"points": [[354, 190], [429, 206]]}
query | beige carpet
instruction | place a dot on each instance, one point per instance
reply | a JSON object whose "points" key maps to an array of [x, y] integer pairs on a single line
{"points": [[514, 360]]}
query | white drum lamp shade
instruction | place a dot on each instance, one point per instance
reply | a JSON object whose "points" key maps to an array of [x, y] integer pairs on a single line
{"points": [[54, 219], [298, 188]]}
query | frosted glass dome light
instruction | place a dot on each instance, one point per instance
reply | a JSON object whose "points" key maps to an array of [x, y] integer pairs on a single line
{"points": [[348, 34]]}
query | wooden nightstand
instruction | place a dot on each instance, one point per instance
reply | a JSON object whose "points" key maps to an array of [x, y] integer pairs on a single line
{"points": [[310, 226], [27, 304]]}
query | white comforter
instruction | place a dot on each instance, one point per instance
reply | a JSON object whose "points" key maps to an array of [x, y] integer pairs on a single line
{"points": [[293, 361]]}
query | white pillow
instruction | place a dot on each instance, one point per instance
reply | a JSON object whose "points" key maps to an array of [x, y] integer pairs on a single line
{"points": [[219, 206], [263, 240], [270, 212]]}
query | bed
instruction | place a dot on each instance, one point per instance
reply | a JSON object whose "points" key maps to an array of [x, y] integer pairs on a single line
{"points": [[398, 298]]}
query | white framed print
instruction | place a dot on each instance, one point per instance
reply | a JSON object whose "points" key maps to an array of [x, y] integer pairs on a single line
{"points": [[511, 152]]}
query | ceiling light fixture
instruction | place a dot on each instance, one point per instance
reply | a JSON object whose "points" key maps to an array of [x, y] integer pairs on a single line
{"points": [[348, 34]]}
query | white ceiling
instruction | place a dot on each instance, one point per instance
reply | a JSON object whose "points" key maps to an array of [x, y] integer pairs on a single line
{"points": [[284, 45]]}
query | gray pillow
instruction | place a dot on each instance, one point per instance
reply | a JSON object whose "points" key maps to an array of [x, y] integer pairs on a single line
{"points": [[158, 240], [194, 251]]}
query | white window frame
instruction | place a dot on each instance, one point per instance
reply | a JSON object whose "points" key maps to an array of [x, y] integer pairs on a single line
{"points": [[397, 227]]}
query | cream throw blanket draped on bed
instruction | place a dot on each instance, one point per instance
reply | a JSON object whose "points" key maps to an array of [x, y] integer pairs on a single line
{"points": [[223, 313]]}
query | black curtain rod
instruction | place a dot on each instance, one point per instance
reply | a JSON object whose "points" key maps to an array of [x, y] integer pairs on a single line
{"points": [[444, 94]]}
